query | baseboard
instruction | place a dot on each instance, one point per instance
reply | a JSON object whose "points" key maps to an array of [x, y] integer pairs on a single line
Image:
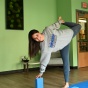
{"points": [[61, 66], [17, 71], [11, 72], [31, 69], [75, 67]]}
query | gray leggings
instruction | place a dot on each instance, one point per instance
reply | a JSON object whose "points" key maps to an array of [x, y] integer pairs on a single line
{"points": [[65, 51]]}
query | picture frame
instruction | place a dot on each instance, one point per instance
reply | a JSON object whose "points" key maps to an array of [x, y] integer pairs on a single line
{"points": [[14, 14]]}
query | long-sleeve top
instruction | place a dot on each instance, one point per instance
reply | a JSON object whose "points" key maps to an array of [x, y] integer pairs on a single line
{"points": [[54, 40]]}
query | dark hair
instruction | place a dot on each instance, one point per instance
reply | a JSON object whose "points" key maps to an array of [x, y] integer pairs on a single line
{"points": [[34, 46]]}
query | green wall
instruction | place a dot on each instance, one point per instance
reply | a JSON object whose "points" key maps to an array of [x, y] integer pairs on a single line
{"points": [[64, 9], [37, 14], [14, 43]]}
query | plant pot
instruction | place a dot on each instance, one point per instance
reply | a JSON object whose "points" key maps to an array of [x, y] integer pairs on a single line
{"points": [[25, 60]]}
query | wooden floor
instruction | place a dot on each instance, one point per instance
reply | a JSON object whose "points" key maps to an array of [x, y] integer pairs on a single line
{"points": [[53, 78]]}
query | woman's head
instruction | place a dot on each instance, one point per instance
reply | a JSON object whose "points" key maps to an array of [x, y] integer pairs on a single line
{"points": [[34, 38], [31, 33], [36, 35]]}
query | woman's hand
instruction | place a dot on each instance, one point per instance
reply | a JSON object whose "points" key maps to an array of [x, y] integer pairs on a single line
{"points": [[39, 75], [61, 20]]}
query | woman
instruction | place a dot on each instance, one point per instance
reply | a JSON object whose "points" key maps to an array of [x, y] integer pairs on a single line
{"points": [[52, 40]]}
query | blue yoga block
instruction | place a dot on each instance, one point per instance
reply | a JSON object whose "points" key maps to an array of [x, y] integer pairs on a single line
{"points": [[39, 83]]}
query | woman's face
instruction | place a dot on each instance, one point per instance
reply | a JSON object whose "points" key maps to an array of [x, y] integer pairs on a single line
{"points": [[38, 37]]}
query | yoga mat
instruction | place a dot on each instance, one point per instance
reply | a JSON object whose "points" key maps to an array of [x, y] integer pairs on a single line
{"points": [[83, 84], [39, 83]]}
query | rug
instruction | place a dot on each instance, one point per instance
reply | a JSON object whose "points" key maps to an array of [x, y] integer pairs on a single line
{"points": [[83, 84]]}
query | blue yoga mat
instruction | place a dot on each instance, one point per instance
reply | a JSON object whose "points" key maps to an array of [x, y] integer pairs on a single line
{"points": [[83, 84], [39, 83]]}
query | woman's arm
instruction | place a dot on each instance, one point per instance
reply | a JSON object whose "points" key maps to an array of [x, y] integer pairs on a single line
{"points": [[45, 58]]}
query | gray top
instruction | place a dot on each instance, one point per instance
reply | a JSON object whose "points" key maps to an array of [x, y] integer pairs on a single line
{"points": [[54, 40]]}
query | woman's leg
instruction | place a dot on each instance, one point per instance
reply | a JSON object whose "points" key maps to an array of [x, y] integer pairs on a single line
{"points": [[74, 26], [65, 57], [65, 51]]}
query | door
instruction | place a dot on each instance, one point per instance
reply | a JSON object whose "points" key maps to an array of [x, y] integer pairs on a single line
{"points": [[82, 38]]}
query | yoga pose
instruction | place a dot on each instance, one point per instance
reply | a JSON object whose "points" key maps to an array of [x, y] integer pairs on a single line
{"points": [[51, 40]]}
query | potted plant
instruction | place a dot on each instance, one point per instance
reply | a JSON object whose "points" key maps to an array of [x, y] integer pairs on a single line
{"points": [[25, 59]]}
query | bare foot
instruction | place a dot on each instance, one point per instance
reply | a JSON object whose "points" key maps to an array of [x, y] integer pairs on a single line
{"points": [[66, 85], [61, 20]]}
